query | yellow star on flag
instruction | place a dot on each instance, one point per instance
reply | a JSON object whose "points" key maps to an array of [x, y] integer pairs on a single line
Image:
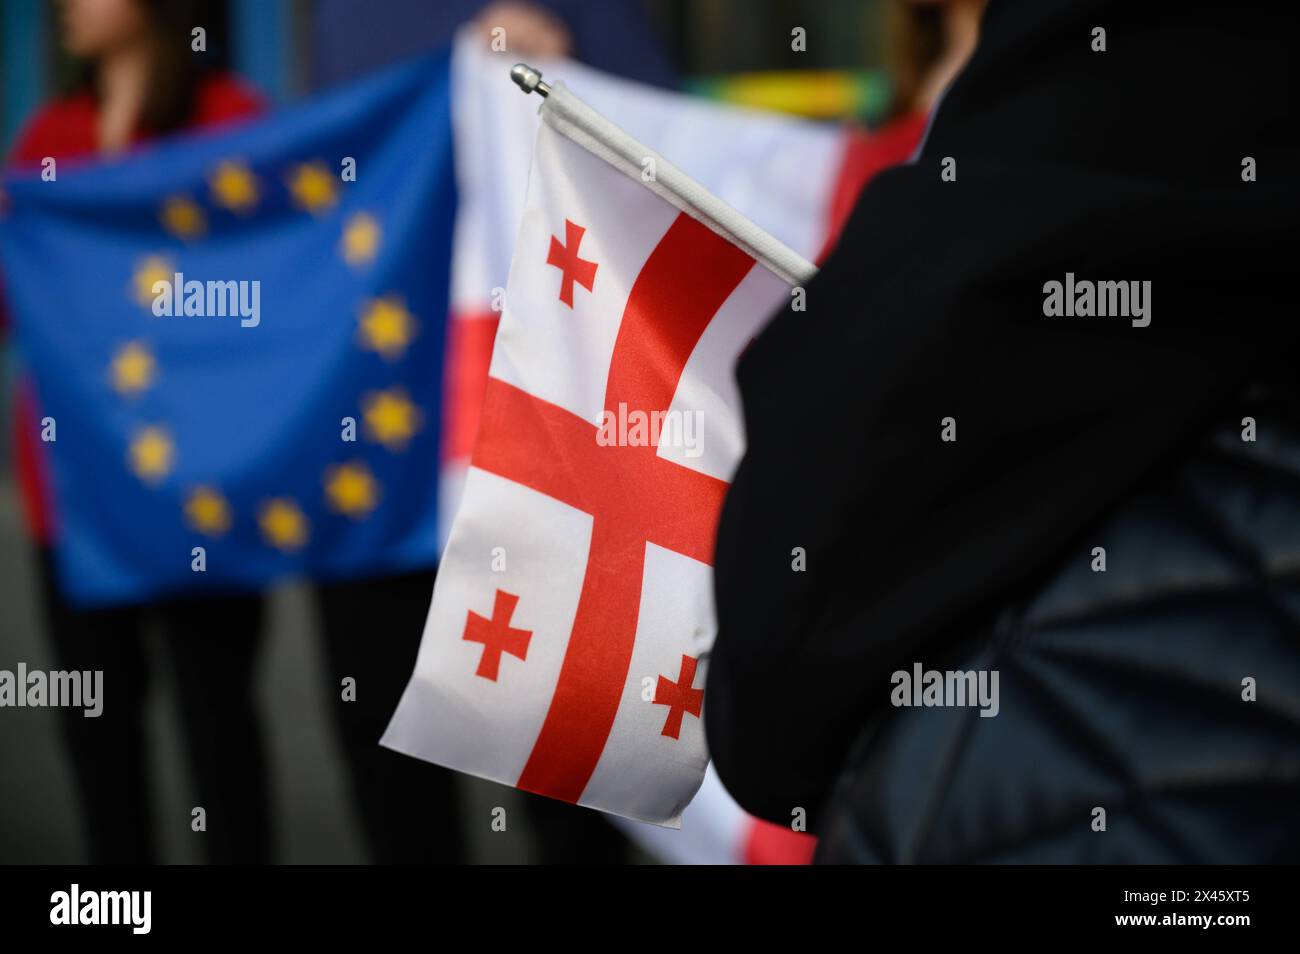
{"points": [[153, 269], [283, 524], [361, 239], [390, 418], [151, 454], [386, 326], [351, 489], [234, 187], [207, 511], [182, 217], [133, 368], [314, 188]]}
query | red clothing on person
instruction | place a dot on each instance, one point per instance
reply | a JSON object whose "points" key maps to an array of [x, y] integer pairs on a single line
{"points": [[866, 154], [67, 129]]}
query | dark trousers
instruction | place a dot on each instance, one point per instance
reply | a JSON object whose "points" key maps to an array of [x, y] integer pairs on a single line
{"points": [[212, 645], [409, 808], [569, 835]]}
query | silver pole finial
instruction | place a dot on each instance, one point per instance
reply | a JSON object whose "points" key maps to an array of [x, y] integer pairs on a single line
{"points": [[529, 79]]}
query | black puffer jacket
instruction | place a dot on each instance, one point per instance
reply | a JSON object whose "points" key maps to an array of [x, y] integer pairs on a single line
{"points": [[1121, 690], [858, 538]]}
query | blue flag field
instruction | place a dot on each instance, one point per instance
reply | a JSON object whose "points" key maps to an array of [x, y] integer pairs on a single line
{"points": [[236, 340]]}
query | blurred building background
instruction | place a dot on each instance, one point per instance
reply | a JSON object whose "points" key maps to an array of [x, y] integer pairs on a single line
{"points": [[739, 50]]}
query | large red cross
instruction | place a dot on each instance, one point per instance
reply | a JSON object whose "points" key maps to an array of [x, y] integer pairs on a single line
{"points": [[680, 697], [633, 495], [497, 635], [572, 268]]}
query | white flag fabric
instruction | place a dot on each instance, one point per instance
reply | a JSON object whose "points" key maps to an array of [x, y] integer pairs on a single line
{"points": [[567, 644], [717, 831]]}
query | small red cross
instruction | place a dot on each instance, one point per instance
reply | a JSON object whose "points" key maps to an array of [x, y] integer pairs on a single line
{"points": [[496, 635], [572, 268], [679, 697]]}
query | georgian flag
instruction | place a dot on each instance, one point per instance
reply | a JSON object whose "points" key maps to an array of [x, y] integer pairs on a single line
{"points": [[567, 644]]}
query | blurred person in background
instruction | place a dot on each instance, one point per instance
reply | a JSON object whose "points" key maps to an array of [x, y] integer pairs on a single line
{"points": [[928, 42], [352, 38], [139, 80]]}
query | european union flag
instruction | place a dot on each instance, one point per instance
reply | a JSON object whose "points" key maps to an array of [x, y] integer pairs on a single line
{"points": [[237, 343]]}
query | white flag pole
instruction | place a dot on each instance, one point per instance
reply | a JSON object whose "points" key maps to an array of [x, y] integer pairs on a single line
{"points": [[575, 120]]}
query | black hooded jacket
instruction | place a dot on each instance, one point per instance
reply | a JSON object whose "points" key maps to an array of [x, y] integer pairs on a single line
{"points": [[1123, 165]]}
